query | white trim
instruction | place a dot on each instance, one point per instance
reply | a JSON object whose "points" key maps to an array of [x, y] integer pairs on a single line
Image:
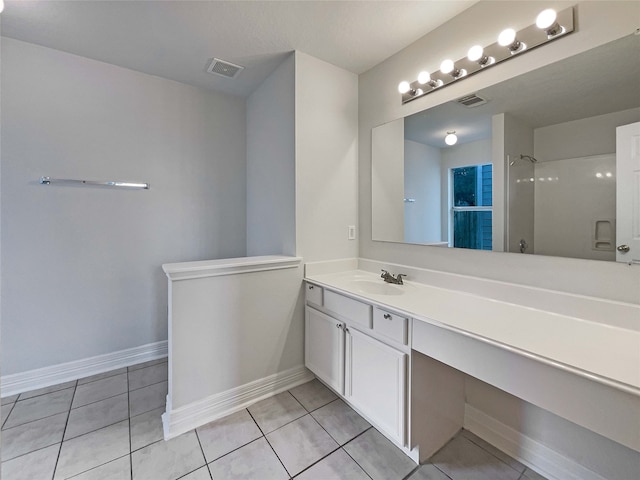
{"points": [[185, 418], [228, 266], [65, 372], [526, 450]]}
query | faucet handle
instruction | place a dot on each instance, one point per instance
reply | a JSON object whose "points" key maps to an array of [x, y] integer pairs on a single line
{"points": [[384, 273], [399, 278]]}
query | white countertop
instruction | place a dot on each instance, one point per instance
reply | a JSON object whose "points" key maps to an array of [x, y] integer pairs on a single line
{"points": [[606, 354]]}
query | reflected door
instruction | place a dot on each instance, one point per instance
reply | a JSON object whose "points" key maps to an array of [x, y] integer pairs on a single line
{"points": [[628, 192]]}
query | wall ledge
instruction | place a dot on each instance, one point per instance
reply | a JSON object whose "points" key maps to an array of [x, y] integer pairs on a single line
{"points": [[228, 266]]}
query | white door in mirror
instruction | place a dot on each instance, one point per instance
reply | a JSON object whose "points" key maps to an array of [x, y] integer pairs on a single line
{"points": [[628, 193]]}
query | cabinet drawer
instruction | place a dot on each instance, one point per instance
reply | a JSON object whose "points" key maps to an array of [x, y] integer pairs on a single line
{"points": [[350, 309], [313, 294], [390, 325]]}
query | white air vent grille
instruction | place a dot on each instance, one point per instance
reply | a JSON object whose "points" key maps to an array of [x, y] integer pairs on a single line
{"points": [[472, 100], [224, 69]]}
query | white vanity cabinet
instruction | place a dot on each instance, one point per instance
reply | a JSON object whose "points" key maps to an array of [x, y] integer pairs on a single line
{"points": [[375, 382], [324, 348], [367, 366]]}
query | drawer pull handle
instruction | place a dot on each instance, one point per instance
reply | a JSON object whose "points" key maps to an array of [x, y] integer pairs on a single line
{"points": [[387, 316]]}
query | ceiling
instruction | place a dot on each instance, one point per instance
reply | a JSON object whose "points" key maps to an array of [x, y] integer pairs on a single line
{"points": [[177, 39], [599, 81]]}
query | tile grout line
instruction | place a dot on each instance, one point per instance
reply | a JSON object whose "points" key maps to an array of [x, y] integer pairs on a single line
{"points": [[32, 421], [130, 439], [203, 455], [55, 468], [317, 461], [318, 423], [18, 399], [416, 468], [10, 410], [267, 440], [356, 462]]}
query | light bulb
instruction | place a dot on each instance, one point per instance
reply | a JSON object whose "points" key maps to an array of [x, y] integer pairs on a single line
{"points": [[424, 77], [447, 66], [404, 87], [507, 37], [451, 138], [546, 18], [475, 53]]}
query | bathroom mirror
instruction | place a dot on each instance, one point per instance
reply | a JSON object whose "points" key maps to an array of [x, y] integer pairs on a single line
{"points": [[533, 169]]}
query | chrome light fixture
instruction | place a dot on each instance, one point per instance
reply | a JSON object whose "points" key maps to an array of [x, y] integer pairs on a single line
{"points": [[405, 88], [424, 78], [547, 21], [476, 54], [549, 26], [508, 38], [450, 68]]}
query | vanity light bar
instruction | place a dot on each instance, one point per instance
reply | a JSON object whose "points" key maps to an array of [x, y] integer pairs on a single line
{"points": [[509, 45]]}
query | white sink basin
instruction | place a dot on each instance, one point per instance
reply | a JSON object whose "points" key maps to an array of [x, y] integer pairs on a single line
{"points": [[377, 288]]}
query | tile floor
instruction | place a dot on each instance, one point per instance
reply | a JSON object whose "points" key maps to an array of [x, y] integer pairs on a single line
{"points": [[108, 427]]}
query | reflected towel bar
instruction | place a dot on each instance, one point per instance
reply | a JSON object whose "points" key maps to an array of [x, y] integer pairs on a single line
{"points": [[49, 180]]}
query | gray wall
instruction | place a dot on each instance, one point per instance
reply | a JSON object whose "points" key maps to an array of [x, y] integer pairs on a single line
{"points": [[326, 185], [271, 164], [81, 267]]}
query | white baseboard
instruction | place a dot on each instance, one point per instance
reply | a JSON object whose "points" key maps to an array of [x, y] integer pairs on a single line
{"points": [[181, 420], [526, 450], [65, 372]]}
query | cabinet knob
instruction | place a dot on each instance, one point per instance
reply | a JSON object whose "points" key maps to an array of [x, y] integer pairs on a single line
{"points": [[387, 316], [310, 287], [338, 325]]}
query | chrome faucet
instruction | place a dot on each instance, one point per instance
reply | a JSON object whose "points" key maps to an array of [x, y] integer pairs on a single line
{"points": [[389, 278]]}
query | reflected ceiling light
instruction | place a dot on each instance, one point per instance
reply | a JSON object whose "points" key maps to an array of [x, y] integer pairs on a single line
{"points": [[424, 78], [509, 39], [451, 138], [476, 54], [1, 5], [548, 26], [547, 21]]}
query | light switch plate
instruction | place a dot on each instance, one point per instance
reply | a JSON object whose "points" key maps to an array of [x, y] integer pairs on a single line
{"points": [[351, 235]]}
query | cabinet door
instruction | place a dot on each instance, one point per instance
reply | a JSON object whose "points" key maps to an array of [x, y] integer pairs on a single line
{"points": [[324, 348], [375, 382]]}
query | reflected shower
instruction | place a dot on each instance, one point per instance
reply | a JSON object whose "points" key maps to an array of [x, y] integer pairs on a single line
{"points": [[523, 157]]}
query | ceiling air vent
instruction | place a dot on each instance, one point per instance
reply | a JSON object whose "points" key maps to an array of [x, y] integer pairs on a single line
{"points": [[225, 69], [472, 100]]}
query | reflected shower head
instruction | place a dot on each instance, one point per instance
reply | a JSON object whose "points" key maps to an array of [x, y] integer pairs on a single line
{"points": [[523, 157]]}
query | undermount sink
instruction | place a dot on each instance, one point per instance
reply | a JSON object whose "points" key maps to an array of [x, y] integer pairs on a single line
{"points": [[377, 288]]}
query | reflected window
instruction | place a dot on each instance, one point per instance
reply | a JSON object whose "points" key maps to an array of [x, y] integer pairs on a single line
{"points": [[472, 206]]}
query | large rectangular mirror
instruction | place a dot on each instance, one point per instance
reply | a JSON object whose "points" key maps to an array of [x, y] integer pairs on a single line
{"points": [[533, 169]]}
